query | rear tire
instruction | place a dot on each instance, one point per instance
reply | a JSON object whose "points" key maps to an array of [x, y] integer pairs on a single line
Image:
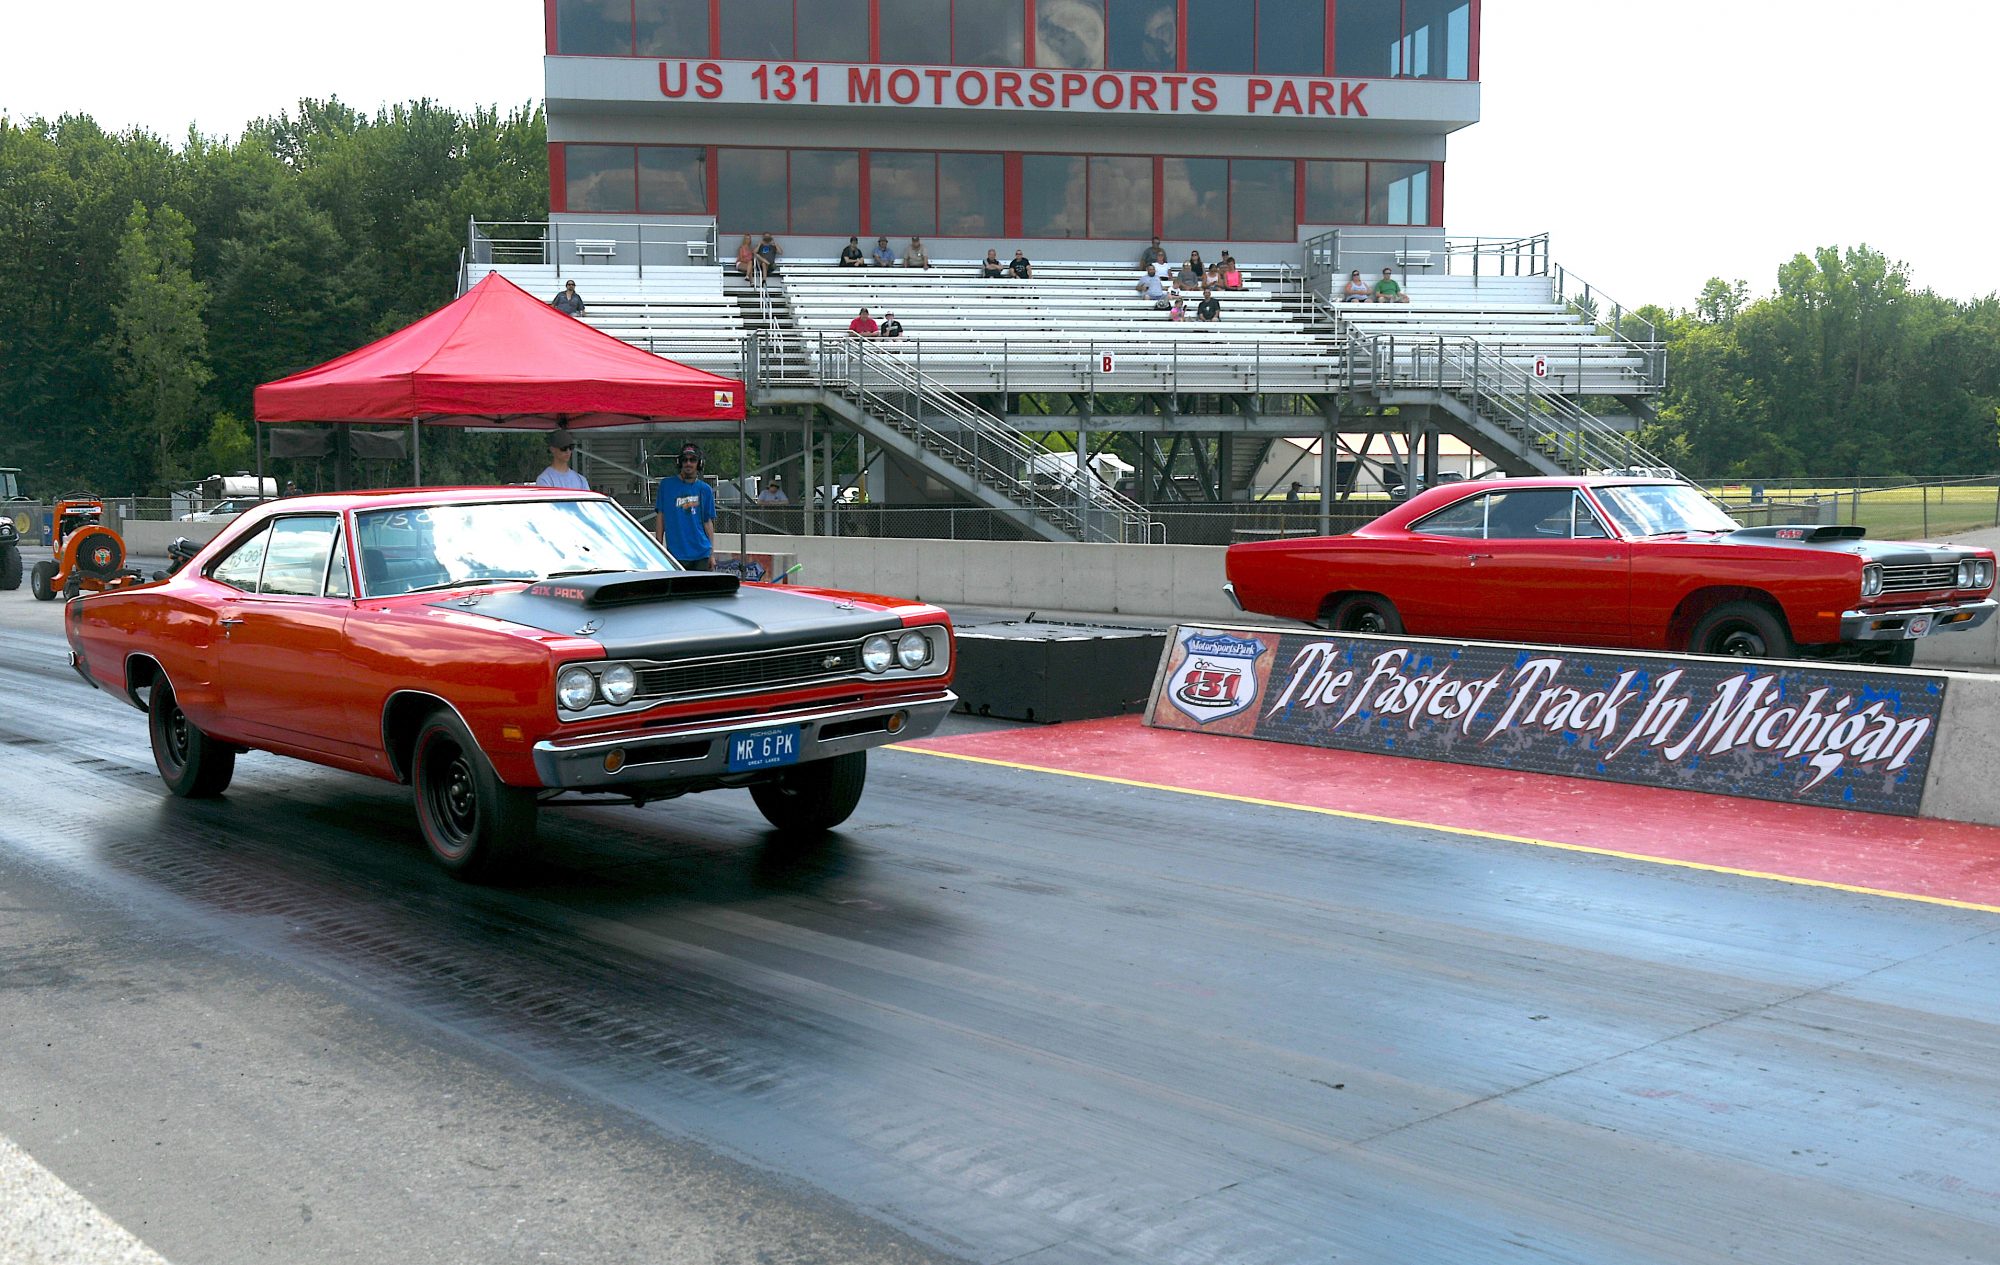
{"points": [[10, 568], [1743, 630], [192, 764], [1367, 613], [811, 799], [42, 581], [476, 826]]}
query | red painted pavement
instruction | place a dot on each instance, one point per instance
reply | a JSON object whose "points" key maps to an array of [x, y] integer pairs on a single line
{"points": [[1913, 856]]}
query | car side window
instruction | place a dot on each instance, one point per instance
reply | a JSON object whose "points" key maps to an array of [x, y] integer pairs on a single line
{"points": [[241, 566], [1588, 525], [1530, 514], [295, 564], [1466, 519], [337, 582]]}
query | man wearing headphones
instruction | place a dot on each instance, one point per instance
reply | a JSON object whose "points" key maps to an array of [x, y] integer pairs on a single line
{"points": [[687, 513]]}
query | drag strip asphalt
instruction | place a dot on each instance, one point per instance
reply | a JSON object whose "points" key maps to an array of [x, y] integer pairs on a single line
{"points": [[1001, 1016]]}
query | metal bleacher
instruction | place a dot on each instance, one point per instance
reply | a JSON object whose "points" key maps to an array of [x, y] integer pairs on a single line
{"points": [[1053, 331]]}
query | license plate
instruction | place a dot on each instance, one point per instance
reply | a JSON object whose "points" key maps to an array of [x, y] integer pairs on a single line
{"points": [[764, 749], [1919, 626]]}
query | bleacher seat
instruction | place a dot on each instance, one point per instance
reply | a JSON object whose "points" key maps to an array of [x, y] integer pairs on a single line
{"points": [[679, 312]]}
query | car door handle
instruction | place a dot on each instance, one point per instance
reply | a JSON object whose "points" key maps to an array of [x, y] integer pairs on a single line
{"points": [[1473, 558], [228, 622]]}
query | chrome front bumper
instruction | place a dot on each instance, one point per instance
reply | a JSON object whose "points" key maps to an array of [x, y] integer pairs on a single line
{"points": [[1896, 625], [699, 752], [1229, 590]]}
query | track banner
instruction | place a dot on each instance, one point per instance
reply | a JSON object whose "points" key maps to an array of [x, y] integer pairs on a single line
{"points": [[1837, 736]]}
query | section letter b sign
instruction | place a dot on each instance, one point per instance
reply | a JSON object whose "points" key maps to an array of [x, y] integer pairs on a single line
{"points": [[1108, 362]]}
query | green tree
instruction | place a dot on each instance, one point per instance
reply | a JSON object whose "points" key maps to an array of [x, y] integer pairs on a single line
{"points": [[159, 345]]}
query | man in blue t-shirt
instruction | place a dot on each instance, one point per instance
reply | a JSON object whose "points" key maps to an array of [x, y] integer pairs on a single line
{"points": [[687, 513]]}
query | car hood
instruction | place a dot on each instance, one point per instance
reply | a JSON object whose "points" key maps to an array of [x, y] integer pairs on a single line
{"points": [[1850, 540], [669, 614]]}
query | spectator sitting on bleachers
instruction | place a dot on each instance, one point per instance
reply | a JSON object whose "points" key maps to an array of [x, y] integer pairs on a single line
{"points": [[1154, 254], [991, 266], [1154, 288], [850, 254], [1191, 271], [1232, 275], [1210, 307], [746, 256], [768, 254], [916, 256], [864, 325], [1177, 310], [1020, 266], [883, 256], [891, 327], [1387, 291], [1356, 290], [569, 302]]}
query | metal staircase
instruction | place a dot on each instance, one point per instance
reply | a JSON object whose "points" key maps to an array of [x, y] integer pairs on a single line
{"points": [[970, 451]]}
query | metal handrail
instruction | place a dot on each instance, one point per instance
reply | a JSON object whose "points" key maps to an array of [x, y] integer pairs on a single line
{"points": [[1527, 407], [976, 441], [1511, 256], [1579, 296]]}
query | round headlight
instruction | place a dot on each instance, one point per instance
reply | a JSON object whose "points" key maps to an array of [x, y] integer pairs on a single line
{"points": [[576, 689], [619, 684], [913, 650], [1968, 575], [876, 653], [1871, 580]]}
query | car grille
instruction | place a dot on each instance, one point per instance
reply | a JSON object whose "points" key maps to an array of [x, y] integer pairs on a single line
{"points": [[1942, 575], [767, 669]]}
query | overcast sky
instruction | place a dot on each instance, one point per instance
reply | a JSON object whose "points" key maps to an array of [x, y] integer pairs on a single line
{"points": [[1659, 142]]}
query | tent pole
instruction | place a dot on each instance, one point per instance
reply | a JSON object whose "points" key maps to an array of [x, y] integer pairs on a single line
{"points": [[743, 495], [416, 453], [257, 442]]}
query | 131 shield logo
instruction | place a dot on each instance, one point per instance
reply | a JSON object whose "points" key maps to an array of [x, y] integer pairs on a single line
{"points": [[1217, 677]]}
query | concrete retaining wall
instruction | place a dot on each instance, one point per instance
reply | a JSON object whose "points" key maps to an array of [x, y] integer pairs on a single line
{"points": [[147, 539], [1961, 785], [1164, 581]]}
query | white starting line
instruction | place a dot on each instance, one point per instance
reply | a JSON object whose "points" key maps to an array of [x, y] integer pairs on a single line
{"points": [[44, 1222]]}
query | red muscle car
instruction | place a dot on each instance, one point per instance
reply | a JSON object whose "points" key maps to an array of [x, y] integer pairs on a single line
{"points": [[1641, 563], [498, 648]]}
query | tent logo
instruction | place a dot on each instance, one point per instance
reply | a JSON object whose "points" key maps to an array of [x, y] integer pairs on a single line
{"points": [[725, 399]]}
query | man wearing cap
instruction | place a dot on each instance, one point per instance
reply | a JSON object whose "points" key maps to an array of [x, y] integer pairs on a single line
{"points": [[559, 475], [883, 256], [687, 513]]}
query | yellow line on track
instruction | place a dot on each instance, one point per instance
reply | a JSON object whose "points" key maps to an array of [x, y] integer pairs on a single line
{"points": [[1453, 830]]}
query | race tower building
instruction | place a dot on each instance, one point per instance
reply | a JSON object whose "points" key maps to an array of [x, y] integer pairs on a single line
{"points": [[1073, 129]]}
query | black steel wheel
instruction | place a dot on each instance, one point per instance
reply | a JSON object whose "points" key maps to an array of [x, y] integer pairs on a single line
{"points": [[476, 826], [1367, 613], [192, 764], [42, 581], [1899, 654], [10, 568], [1743, 630], [813, 798]]}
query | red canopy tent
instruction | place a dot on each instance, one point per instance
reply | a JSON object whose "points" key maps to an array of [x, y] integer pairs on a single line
{"points": [[500, 356]]}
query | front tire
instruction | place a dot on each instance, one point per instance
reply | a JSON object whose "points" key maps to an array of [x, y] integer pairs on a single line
{"points": [[1742, 630], [42, 581], [811, 799], [1368, 613], [10, 568], [476, 826], [192, 764]]}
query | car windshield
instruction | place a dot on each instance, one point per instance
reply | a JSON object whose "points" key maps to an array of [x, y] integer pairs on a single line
{"points": [[1659, 509], [445, 546]]}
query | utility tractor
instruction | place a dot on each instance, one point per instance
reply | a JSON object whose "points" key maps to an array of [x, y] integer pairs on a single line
{"points": [[10, 529]]}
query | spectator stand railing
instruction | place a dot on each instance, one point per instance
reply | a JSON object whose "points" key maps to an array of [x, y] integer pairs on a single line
{"points": [[1330, 255], [1542, 420], [570, 243], [1637, 334]]}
